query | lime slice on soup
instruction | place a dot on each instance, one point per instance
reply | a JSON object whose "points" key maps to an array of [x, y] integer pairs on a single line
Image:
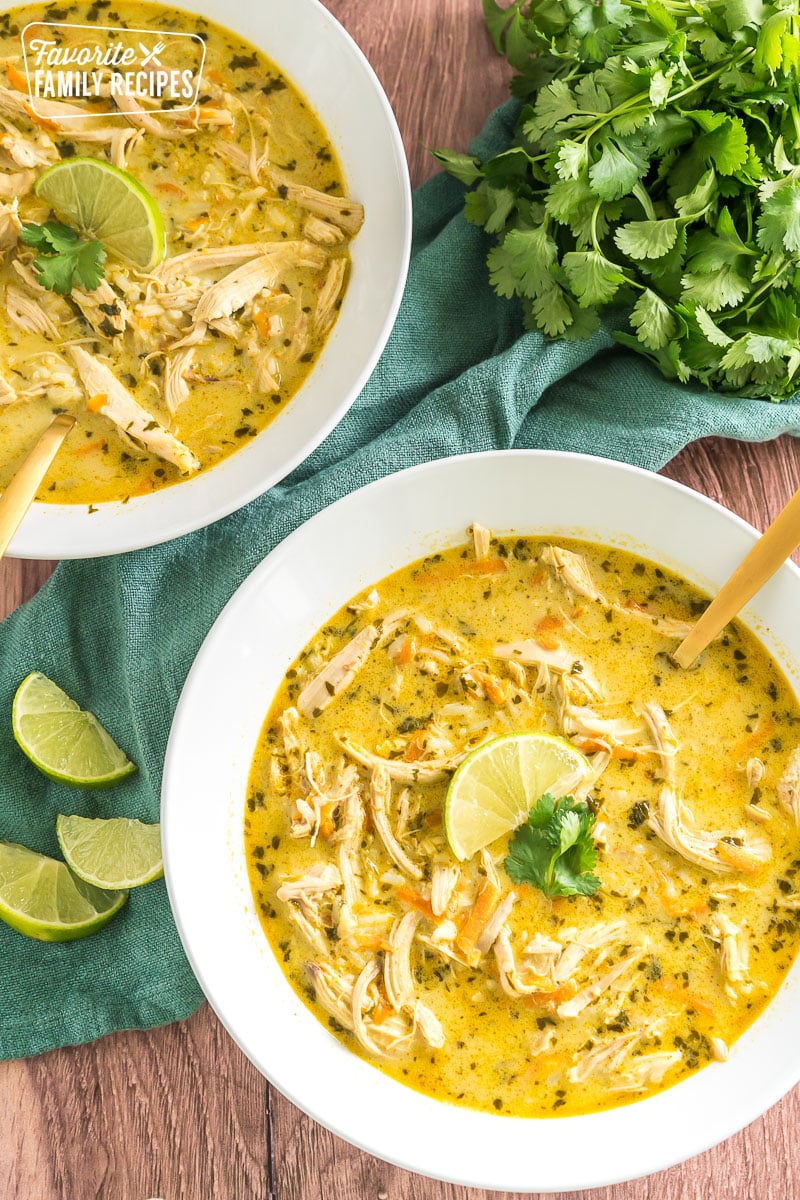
{"points": [[41, 898], [62, 740], [115, 853], [103, 202], [497, 785]]}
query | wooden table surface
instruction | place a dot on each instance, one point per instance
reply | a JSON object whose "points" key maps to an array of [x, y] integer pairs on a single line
{"points": [[179, 1112]]}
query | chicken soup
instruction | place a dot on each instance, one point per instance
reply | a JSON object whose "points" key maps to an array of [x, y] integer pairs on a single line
{"points": [[621, 937], [173, 368]]}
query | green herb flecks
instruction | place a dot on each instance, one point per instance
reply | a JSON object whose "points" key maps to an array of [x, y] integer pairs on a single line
{"points": [[656, 168], [554, 851], [64, 260]]}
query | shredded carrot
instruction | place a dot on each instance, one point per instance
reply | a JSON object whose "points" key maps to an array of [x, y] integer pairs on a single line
{"points": [[407, 652], [89, 448], [217, 77], [263, 323], [538, 578], [549, 623], [738, 857], [625, 753], [16, 78], [548, 643], [671, 987], [494, 689], [326, 826], [381, 1012], [451, 571], [372, 941], [97, 403], [196, 224], [578, 613], [545, 632], [551, 999], [416, 746], [172, 188], [485, 903], [42, 122], [412, 899]]}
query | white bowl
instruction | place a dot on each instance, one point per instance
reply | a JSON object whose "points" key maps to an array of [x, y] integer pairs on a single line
{"points": [[315, 53], [224, 702]]}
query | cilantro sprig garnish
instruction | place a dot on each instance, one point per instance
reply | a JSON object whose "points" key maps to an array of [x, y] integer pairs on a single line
{"points": [[554, 851], [655, 167], [65, 260]]}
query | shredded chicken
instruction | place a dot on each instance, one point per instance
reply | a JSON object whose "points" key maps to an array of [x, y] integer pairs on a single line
{"points": [[380, 797], [338, 673], [443, 884], [650, 1068], [714, 850], [106, 395], [576, 1004], [404, 772], [733, 955], [788, 788], [340, 210], [664, 741], [26, 314], [397, 963], [481, 541]]}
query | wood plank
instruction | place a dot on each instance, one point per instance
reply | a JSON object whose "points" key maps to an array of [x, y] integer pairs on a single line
{"points": [[176, 1112]]}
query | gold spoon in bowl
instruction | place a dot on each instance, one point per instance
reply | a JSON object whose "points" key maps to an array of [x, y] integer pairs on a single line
{"points": [[20, 493], [769, 553]]}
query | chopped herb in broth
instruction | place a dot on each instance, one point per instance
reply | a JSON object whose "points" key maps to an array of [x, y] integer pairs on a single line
{"points": [[447, 975], [169, 371]]}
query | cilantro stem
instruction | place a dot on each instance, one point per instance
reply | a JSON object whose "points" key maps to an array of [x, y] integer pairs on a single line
{"points": [[645, 201], [712, 75]]}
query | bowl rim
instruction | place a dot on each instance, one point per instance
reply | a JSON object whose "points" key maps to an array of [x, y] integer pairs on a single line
{"points": [[770, 1090], [57, 530]]}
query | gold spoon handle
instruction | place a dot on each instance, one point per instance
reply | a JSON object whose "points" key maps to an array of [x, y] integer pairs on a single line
{"points": [[769, 553], [19, 495]]}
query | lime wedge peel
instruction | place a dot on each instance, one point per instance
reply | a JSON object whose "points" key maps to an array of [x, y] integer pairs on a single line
{"points": [[496, 786], [64, 742], [114, 853], [42, 899], [104, 202]]}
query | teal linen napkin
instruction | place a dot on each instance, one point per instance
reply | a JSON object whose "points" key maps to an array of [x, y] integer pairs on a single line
{"points": [[119, 635]]}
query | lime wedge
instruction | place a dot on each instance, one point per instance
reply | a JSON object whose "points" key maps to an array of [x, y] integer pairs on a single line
{"points": [[103, 202], [41, 898], [117, 853], [496, 786], [63, 741]]}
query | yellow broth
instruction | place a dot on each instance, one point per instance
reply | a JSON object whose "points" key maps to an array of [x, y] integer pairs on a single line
{"points": [[676, 1006], [246, 369]]}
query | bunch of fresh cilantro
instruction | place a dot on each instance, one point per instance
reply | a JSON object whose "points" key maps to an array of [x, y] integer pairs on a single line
{"points": [[655, 166], [554, 851]]}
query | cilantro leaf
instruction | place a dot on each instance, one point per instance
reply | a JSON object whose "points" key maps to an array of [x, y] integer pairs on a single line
{"points": [[653, 320], [522, 263], [618, 169], [647, 239], [555, 851], [64, 260], [464, 167], [592, 277], [779, 222]]}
